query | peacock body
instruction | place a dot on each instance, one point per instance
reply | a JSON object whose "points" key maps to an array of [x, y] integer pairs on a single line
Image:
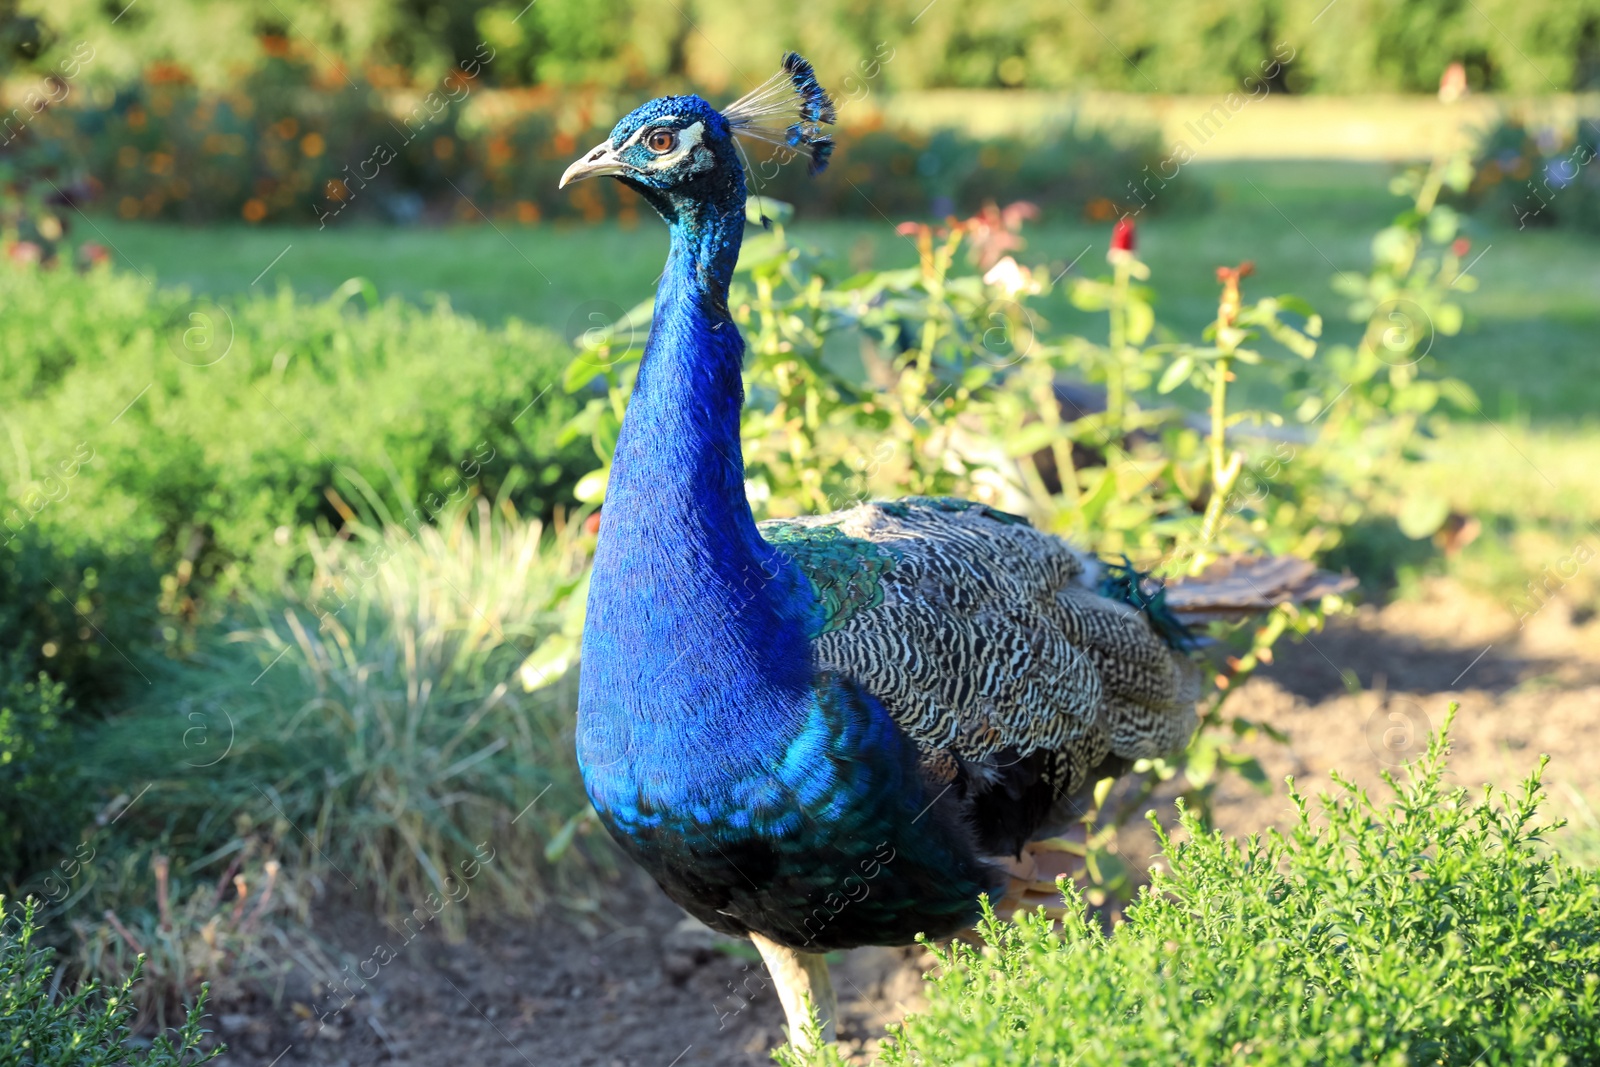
{"points": [[821, 732]]}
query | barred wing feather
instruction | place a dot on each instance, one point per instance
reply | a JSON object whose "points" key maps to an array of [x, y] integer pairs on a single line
{"points": [[987, 641]]}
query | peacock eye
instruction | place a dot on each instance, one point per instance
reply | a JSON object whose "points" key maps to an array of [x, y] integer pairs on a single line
{"points": [[660, 141]]}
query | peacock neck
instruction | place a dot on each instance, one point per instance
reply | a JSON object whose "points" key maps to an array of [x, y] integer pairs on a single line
{"points": [[696, 626]]}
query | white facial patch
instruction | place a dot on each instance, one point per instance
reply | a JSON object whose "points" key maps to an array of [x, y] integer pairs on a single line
{"points": [[688, 139]]}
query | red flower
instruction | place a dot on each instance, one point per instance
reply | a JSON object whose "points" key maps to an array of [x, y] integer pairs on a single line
{"points": [[1229, 306], [1122, 235], [25, 253], [1460, 247], [591, 525]]}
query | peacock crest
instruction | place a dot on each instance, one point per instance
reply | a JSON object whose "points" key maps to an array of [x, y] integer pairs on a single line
{"points": [[789, 109]]}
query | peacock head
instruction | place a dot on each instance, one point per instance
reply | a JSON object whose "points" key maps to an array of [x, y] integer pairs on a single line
{"points": [[678, 151]]}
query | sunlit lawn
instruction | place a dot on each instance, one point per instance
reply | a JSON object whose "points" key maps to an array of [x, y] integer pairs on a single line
{"points": [[1530, 346]]}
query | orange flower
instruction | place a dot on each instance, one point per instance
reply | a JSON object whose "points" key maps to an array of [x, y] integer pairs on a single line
{"points": [[443, 148], [565, 144], [527, 212], [312, 144], [254, 210], [128, 207], [1100, 209], [164, 73]]}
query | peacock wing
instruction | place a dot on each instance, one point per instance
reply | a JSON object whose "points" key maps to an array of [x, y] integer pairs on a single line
{"points": [[989, 643]]}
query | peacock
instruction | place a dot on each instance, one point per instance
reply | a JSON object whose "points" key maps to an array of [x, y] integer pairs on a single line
{"points": [[843, 730]]}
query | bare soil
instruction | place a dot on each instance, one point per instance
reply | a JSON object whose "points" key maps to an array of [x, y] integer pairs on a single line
{"points": [[642, 990]]}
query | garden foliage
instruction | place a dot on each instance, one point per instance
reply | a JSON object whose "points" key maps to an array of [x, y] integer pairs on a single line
{"points": [[294, 144], [1434, 928], [144, 421], [1144, 46], [365, 740], [85, 1028], [297, 456]]}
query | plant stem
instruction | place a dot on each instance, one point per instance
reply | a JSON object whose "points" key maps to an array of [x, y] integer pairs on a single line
{"points": [[1116, 382], [1224, 469]]}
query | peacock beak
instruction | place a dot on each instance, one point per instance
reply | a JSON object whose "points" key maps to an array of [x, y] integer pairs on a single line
{"points": [[599, 160]]}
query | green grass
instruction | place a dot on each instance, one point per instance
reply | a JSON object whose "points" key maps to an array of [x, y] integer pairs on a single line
{"points": [[1533, 328]]}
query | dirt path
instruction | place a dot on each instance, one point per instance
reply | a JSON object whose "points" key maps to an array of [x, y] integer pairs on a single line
{"points": [[646, 993]]}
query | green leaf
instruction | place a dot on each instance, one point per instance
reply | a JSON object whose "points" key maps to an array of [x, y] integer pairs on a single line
{"points": [[1201, 762], [591, 488], [1459, 393], [1141, 320], [1176, 374], [776, 210], [581, 371], [562, 841], [1249, 768], [1090, 295], [1447, 319], [547, 663], [1029, 439], [1421, 515]]}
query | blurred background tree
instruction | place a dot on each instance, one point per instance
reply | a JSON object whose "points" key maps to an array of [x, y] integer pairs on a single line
{"points": [[1132, 45]]}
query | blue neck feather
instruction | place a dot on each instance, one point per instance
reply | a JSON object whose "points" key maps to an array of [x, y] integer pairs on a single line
{"points": [[696, 635]]}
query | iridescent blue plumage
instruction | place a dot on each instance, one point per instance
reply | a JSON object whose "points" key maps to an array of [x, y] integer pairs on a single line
{"points": [[754, 789]]}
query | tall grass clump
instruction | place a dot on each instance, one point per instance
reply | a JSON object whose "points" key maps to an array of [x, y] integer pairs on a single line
{"points": [[407, 646], [361, 744], [1434, 928]]}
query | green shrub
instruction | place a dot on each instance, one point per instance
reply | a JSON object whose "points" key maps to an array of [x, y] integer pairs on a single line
{"points": [[85, 615], [85, 1028], [148, 426], [37, 782], [1432, 929]]}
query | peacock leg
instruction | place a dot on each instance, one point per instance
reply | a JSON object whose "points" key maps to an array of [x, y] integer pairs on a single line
{"points": [[802, 981]]}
